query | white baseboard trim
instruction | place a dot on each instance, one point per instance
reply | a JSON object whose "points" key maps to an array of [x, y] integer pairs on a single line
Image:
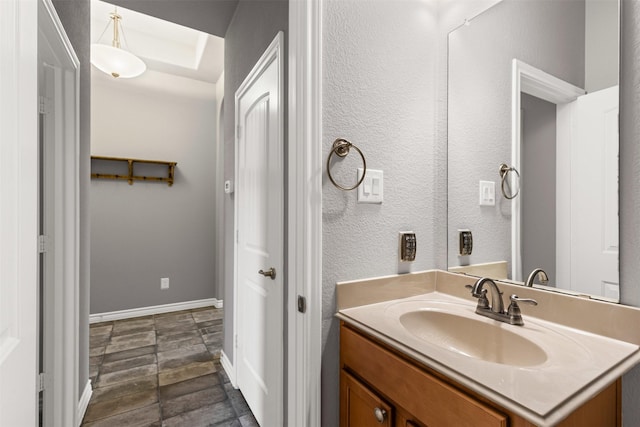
{"points": [[156, 309], [84, 402], [228, 368]]}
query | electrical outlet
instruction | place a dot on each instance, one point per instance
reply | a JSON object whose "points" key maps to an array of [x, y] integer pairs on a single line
{"points": [[164, 283]]}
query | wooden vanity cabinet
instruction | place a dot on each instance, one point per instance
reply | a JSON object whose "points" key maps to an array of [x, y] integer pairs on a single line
{"points": [[376, 379]]}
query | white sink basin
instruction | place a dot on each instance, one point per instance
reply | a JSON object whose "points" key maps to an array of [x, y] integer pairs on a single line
{"points": [[517, 362], [493, 342]]}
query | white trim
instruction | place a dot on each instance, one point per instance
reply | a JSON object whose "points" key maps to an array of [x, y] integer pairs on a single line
{"points": [[564, 138], [228, 368], [155, 309], [61, 352], [535, 82], [84, 403], [304, 251]]}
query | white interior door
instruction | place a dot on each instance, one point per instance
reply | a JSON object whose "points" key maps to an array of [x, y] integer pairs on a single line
{"points": [[18, 212], [260, 237], [594, 194]]}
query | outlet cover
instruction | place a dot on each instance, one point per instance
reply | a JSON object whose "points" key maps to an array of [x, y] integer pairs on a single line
{"points": [[164, 283]]}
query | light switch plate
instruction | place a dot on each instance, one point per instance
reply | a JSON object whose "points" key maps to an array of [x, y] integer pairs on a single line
{"points": [[487, 191], [371, 189]]}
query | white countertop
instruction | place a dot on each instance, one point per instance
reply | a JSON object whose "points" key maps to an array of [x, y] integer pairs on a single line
{"points": [[574, 365]]}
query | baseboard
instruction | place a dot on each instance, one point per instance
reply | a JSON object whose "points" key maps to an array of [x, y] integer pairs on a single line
{"points": [[228, 368], [84, 402], [156, 309]]}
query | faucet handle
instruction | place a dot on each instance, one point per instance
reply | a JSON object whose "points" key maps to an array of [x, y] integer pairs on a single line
{"points": [[514, 313], [515, 299], [483, 302]]}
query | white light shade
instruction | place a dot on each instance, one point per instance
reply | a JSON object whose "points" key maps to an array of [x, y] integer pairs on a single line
{"points": [[116, 62]]}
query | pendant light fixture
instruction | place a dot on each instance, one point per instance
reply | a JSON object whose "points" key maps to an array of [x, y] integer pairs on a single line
{"points": [[114, 60]]}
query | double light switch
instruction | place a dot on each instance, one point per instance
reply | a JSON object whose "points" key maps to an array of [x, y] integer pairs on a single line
{"points": [[371, 189]]}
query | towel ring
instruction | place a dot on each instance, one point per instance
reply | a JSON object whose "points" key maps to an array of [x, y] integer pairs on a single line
{"points": [[504, 173], [341, 148]]}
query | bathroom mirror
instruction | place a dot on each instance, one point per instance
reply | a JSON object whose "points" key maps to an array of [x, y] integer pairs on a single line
{"points": [[533, 144]]}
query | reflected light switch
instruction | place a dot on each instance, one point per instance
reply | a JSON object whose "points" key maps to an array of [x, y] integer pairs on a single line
{"points": [[487, 193], [371, 190], [367, 186]]}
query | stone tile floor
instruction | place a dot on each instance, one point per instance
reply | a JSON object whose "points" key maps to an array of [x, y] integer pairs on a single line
{"points": [[162, 371]]}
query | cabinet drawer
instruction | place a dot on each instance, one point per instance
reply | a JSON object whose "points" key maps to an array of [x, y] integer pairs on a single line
{"points": [[432, 401]]}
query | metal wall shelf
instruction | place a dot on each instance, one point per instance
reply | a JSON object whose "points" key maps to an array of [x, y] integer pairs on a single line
{"points": [[131, 176]]}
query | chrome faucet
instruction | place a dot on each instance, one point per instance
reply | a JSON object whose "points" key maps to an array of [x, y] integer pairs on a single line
{"points": [[478, 291], [544, 279], [496, 311]]}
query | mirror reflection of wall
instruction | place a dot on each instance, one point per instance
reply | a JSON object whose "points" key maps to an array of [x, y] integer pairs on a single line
{"points": [[577, 42], [538, 176]]}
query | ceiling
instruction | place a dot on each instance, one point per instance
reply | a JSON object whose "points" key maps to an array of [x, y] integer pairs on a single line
{"points": [[164, 46], [210, 16]]}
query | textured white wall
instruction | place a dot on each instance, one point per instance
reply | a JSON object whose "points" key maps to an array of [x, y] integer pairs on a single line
{"points": [[378, 91], [451, 15], [146, 231], [547, 35]]}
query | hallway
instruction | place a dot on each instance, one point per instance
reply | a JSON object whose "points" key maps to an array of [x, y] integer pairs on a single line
{"points": [[162, 370]]}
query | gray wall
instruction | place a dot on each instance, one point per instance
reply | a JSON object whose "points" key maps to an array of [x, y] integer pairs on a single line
{"points": [[253, 27], [379, 67], [146, 231], [538, 178], [549, 36], [601, 44], [75, 15], [629, 188]]}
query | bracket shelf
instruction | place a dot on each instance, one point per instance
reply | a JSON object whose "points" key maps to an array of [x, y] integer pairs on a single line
{"points": [[119, 163]]}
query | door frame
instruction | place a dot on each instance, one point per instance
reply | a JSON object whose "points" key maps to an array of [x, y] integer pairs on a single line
{"points": [[61, 333], [528, 79], [304, 204]]}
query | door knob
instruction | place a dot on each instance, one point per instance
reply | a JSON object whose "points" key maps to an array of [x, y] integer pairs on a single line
{"points": [[380, 414], [269, 273]]}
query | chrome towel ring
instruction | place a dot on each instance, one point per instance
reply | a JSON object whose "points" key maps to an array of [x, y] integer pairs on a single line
{"points": [[341, 148], [504, 174]]}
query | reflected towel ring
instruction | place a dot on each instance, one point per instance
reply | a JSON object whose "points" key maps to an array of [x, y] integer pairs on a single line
{"points": [[341, 148], [504, 173]]}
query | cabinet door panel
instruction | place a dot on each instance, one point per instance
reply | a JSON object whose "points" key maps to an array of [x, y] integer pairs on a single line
{"points": [[360, 407], [432, 401]]}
